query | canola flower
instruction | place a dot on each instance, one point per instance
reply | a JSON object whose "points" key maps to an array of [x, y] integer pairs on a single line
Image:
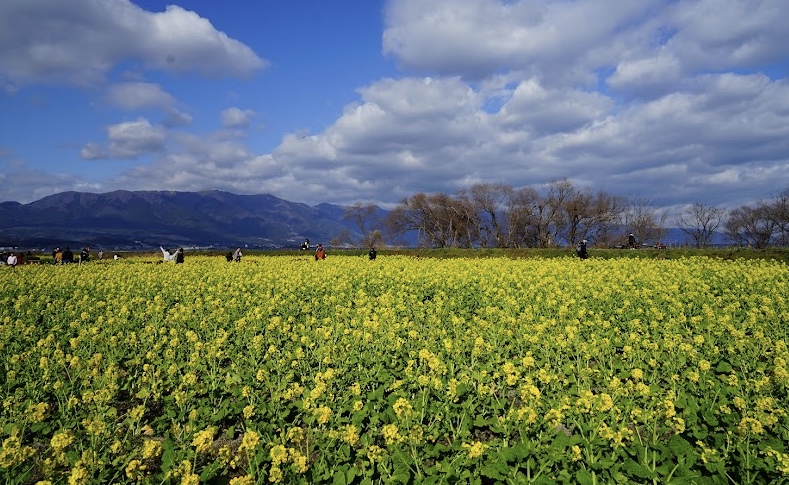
{"points": [[475, 449], [465, 361], [203, 440]]}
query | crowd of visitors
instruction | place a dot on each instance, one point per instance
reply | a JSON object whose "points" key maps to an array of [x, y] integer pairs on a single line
{"points": [[64, 255]]}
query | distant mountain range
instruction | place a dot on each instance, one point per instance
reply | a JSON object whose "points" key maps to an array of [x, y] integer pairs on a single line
{"points": [[149, 219]]}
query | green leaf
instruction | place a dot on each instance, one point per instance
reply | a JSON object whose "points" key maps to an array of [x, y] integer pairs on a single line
{"points": [[480, 422], [350, 474], [168, 453], [490, 471], [619, 477], [585, 477], [700, 432], [723, 367], [339, 478], [521, 451], [401, 476], [638, 469], [679, 446], [494, 469], [507, 454], [710, 418], [210, 472], [561, 440]]}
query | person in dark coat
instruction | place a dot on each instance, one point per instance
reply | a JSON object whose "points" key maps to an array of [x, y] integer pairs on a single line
{"points": [[179, 256], [68, 256], [581, 250], [372, 254]]}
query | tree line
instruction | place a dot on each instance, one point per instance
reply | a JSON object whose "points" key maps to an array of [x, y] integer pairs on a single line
{"points": [[501, 216]]}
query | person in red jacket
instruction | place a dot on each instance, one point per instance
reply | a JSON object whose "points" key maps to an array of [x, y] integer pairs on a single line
{"points": [[320, 253]]}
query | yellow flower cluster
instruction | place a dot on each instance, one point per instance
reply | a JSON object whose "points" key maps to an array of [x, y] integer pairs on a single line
{"points": [[391, 434], [281, 455], [243, 480], [475, 449], [135, 470], [322, 414], [151, 449], [350, 434], [13, 452], [61, 441], [185, 472], [203, 440], [782, 460], [402, 408], [38, 412]]}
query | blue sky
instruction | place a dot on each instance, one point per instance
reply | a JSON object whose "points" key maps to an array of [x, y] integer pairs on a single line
{"points": [[372, 101]]}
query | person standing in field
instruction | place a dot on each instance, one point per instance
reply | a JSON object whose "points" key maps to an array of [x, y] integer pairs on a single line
{"points": [[320, 253], [167, 255], [57, 256], [229, 256], [68, 256], [237, 255], [631, 241], [12, 260], [179, 256], [101, 254], [581, 250], [372, 254]]}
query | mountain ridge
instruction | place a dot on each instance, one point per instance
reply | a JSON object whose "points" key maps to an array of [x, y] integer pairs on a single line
{"points": [[144, 219]]}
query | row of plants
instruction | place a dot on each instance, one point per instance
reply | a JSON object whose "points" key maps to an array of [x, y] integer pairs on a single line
{"points": [[411, 370]]}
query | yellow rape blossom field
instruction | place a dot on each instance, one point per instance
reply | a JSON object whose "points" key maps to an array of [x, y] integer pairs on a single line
{"points": [[282, 369]]}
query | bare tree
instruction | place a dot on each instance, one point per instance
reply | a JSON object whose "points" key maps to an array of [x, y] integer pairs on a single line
{"points": [[779, 212], [343, 238], [541, 224], [549, 217], [488, 201], [644, 219], [467, 221], [409, 215], [606, 213], [442, 218], [700, 221], [435, 225], [402, 220], [576, 213], [366, 219], [439, 220], [751, 226], [521, 212]]}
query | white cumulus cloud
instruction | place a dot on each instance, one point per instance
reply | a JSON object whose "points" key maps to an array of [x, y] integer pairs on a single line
{"points": [[80, 41], [139, 95], [236, 117], [129, 139]]}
